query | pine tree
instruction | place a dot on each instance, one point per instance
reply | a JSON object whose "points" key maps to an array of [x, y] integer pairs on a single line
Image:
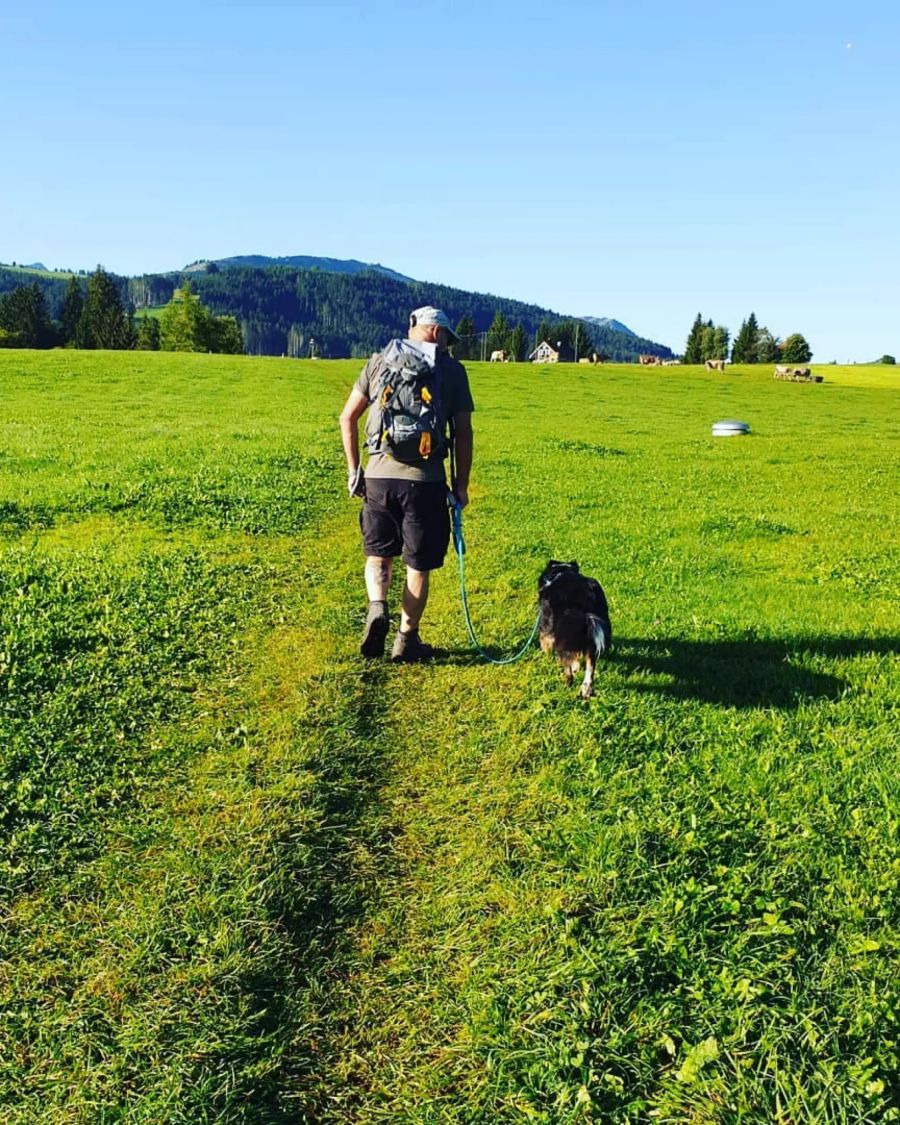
{"points": [[563, 334], [83, 337], [518, 343], [498, 334], [545, 333], [468, 343], [707, 343], [185, 323], [105, 322], [692, 349], [746, 343], [737, 354], [796, 350], [148, 334], [721, 337], [73, 307], [752, 339], [225, 336], [25, 318]]}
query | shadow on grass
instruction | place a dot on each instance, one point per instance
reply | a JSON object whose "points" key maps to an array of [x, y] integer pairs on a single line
{"points": [[746, 673], [469, 658]]}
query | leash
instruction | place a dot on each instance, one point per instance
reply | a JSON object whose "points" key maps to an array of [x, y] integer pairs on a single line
{"points": [[460, 545]]}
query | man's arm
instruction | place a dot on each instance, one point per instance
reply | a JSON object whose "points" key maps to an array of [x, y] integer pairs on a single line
{"points": [[354, 408], [462, 430]]}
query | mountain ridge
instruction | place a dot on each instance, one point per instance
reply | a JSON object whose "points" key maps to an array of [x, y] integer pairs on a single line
{"points": [[295, 261], [608, 322]]}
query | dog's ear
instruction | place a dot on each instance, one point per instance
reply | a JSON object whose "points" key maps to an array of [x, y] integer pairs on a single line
{"points": [[552, 563], [574, 565]]}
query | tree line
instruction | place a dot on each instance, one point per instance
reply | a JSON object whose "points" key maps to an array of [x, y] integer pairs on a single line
{"points": [[95, 316], [753, 344], [572, 336]]}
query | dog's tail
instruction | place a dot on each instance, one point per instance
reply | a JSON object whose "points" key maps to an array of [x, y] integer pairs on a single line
{"points": [[601, 631]]}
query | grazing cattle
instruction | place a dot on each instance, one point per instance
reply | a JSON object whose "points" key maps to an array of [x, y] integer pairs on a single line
{"points": [[796, 374], [715, 365], [501, 356], [649, 360], [671, 363]]}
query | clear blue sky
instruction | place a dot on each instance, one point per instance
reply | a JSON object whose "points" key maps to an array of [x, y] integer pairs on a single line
{"points": [[645, 160]]}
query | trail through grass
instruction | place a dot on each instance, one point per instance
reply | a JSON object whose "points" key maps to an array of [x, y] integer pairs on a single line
{"points": [[250, 878]]}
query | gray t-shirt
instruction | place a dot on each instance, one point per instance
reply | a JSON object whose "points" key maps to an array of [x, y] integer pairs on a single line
{"points": [[457, 400]]}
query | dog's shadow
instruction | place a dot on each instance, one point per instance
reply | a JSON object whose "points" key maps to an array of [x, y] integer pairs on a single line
{"points": [[743, 673]]}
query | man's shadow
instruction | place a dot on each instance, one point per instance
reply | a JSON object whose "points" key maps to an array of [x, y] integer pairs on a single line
{"points": [[750, 672]]}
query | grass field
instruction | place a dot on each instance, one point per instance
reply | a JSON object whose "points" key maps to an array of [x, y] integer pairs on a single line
{"points": [[247, 878], [58, 274]]}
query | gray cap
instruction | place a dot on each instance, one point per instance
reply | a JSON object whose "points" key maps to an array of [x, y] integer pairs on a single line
{"points": [[428, 314]]}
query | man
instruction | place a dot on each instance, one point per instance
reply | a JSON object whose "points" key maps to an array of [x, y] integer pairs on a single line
{"points": [[405, 493]]}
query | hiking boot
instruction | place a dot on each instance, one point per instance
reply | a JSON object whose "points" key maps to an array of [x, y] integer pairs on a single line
{"points": [[374, 631], [409, 648]]}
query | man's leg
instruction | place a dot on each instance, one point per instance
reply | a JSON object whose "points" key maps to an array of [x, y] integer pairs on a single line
{"points": [[378, 578], [426, 535], [415, 598], [379, 520], [378, 582], [408, 648]]}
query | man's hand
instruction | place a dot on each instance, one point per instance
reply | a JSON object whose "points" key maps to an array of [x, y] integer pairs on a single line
{"points": [[462, 496], [356, 482]]}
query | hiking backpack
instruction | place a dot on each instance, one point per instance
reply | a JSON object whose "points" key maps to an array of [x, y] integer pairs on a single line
{"points": [[406, 416]]}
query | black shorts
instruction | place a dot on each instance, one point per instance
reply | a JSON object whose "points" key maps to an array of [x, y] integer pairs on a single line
{"points": [[409, 518]]}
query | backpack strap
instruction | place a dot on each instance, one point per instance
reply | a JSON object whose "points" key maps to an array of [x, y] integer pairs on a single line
{"points": [[384, 361], [451, 445]]}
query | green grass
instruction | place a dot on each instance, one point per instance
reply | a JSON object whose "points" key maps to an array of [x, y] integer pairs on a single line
{"points": [[248, 878], [61, 274]]}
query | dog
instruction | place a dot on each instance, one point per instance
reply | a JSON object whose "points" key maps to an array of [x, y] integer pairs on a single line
{"points": [[574, 620]]}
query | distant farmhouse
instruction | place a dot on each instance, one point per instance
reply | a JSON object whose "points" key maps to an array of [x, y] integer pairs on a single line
{"points": [[547, 353]]}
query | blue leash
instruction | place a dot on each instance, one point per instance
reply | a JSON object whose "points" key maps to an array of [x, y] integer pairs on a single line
{"points": [[460, 544]]}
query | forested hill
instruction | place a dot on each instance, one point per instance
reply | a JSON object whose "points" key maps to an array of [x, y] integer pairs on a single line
{"points": [[282, 309], [299, 261]]}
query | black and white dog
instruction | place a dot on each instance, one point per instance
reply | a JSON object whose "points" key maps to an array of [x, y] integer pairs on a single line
{"points": [[574, 621]]}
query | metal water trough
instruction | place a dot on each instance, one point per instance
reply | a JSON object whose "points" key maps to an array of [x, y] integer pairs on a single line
{"points": [[730, 427]]}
